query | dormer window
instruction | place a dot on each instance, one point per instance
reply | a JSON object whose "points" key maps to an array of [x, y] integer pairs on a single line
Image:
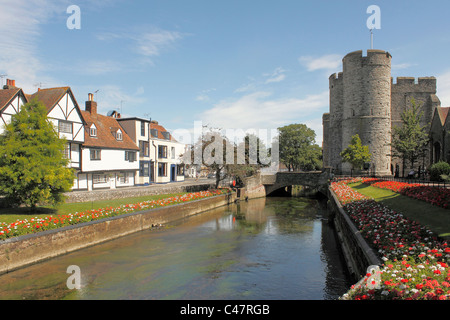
{"points": [[119, 135], [93, 131], [166, 135]]}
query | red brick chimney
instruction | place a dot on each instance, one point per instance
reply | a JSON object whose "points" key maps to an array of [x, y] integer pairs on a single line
{"points": [[91, 105], [10, 84]]}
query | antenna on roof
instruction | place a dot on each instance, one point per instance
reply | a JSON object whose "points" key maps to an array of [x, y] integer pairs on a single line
{"points": [[2, 76], [39, 85]]}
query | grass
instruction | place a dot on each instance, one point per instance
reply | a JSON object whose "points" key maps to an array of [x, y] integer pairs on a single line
{"points": [[435, 218], [10, 215]]}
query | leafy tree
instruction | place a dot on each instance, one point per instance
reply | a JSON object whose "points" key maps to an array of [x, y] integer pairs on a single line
{"points": [[33, 169], [210, 151], [356, 154], [297, 148], [409, 140], [250, 155]]}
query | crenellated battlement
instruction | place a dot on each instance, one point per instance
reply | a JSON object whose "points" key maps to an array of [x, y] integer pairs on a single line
{"points": [[336, 76], [425, 84]]}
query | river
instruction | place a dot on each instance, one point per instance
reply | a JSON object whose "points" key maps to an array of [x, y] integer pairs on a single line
{"points": [[263, 249]]}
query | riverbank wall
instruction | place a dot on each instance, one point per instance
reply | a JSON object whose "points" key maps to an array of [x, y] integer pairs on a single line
{"points": [[129, 192], [25, 250], [357, 253]]}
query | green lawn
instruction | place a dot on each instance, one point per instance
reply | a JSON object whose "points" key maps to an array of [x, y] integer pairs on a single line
{"points": [[437, 219], [9, 215]]}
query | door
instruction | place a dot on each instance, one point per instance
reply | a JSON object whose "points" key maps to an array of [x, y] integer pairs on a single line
{"points": [[173, 169]]}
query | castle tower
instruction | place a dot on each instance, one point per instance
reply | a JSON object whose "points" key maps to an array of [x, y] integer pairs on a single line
{"points": [[367, 106], [333, 136]]}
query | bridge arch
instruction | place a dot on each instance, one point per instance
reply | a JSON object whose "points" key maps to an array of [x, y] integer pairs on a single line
{"points": [[265, 184]]}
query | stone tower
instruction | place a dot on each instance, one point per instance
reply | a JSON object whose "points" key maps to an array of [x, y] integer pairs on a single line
{"points": [[364, 100], [360, 103]]}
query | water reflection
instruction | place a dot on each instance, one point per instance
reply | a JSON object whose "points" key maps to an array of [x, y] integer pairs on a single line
{"points": [[269, 248]]}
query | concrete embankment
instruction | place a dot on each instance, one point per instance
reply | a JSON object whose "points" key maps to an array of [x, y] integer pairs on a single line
{"points": [[357, 253], [28, 249]]}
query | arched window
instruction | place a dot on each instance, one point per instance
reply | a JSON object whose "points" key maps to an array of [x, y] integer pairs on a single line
{"points": [[436, 151]]}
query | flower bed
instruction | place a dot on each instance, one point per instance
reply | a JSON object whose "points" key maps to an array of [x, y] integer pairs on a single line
{"points": [[434, 195], [22, 227], [416, 261]]}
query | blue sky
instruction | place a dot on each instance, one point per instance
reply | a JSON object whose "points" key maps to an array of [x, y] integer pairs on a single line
{"points": [[229, 64]]}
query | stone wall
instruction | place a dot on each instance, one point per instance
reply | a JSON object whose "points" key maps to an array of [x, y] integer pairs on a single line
{"points": [[28, 249], [358, 255], [109, 194]]}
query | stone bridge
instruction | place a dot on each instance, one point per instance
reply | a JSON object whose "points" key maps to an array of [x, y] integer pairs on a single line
{"points": [[262, 185]]}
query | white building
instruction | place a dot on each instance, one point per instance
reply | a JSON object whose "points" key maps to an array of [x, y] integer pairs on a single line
{"points": [[11, 100], [159, 160], [63, 111], [109, 156]]}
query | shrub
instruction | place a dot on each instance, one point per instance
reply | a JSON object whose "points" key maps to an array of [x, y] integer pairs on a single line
{"points": [[438, 169]]}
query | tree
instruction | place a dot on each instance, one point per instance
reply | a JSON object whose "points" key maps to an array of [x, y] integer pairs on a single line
{"points": [[251, 155], [33, 169], [356, 154], [211, 151], [297, 148], [409, 140]]}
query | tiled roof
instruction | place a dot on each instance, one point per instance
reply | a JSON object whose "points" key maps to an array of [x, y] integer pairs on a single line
{"points": [[6, 95], [444, 113], [49, 97], [160, 129], [105, 139]]}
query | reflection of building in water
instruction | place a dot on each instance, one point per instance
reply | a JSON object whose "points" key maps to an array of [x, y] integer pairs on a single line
{"points": [[254, 210]]}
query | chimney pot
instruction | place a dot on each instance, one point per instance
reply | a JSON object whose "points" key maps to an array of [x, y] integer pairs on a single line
{"points": [[91, 105]]}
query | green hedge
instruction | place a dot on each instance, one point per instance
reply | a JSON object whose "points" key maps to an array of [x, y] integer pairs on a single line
{"points": [[438, 169]]}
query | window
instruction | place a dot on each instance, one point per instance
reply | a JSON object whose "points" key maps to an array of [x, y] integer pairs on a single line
{"points": [[93, 131], [180, 170], [65, 126], [66, 151], [172, 152], [166, 135], [162, 169], [144, 169], [144, 148], [99, 178], [130, 156], [96, 154], [162, 152], [117, 134], [123, 178], [154, 133], [142, 128]]}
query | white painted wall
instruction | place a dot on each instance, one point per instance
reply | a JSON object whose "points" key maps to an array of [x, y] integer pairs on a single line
{"points": [[111, 159]]}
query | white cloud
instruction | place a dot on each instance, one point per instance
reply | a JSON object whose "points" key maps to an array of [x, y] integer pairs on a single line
{"points": [[98, 67], [259, 110], [276, 76], [327, 62], [19, 35], [401, 66], [148, 42], [203, 96], [443, 88]]}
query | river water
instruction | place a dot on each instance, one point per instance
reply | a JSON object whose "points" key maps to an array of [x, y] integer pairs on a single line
{"points": [[269, 248]]}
